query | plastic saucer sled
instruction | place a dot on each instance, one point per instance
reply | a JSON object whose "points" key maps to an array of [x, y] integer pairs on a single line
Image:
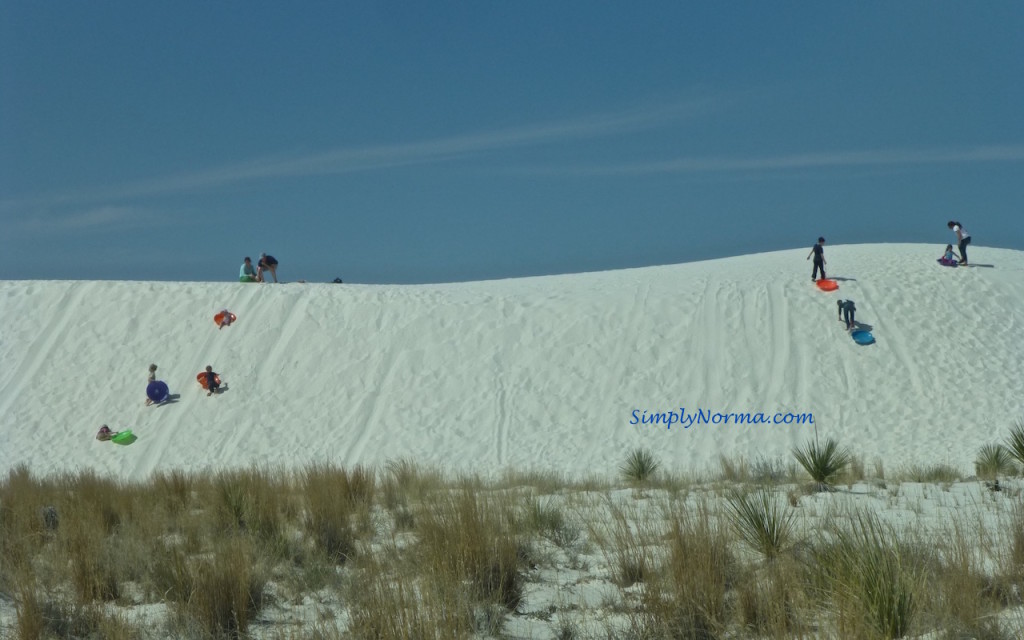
{"points": [[862, 336], [827, 285], [201, 379], [157, 391]]}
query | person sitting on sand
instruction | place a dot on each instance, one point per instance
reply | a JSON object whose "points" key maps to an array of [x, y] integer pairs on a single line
{"points": [[948, 255], [248, 272], [151, 378], [266, 263], [212, 381], [225, 319], [105, 433]]}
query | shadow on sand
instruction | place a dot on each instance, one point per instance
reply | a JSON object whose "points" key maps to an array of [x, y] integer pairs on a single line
{"points": [[171, 399]]}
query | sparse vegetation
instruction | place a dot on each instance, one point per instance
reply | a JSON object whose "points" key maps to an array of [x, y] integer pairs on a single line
{"points": [[873, 580], [1015, 442], [822, 462], [936, 473], [640, 466], [405, 552], [993, 461], [762, 521]]}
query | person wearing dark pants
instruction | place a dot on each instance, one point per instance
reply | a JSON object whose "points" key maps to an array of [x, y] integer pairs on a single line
{"points": [[846, 312], [818, 251], [962, 238], [212, 381]]}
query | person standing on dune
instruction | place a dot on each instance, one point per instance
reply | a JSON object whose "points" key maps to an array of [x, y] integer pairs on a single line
{"points": [[818, 251], [151, 378], [962, 238]]}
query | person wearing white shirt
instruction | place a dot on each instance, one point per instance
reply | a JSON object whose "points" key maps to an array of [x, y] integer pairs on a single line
{"points": [[962, 238]]}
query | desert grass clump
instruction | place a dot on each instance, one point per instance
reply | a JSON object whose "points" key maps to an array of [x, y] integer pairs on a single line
{"points": [[226, 589], [175, 489], [873, 578], [770, 599], [1016, 556], [688, 596], [29, 607], [467, 537], [92, 559], [26, 507], [936, 473], [1015, 442], [102, 497], [994, 460], [28, 520], [404, 481], [627, 544], [39, 618], [640, 466], [964, 591], [822, 462], [734, 470], [170, 575], [335, 500], [250, 501], [395, 603], [772, 471], [549, 521], [762, 521]]}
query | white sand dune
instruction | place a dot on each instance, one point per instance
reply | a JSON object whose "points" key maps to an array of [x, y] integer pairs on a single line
{"points": [[541, 373]]}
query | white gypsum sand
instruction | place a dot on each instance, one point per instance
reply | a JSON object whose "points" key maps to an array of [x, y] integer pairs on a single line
{"points": [[532, 373]]}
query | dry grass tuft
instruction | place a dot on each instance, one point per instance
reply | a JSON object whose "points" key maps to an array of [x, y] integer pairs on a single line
{"points": [[466, 536]]}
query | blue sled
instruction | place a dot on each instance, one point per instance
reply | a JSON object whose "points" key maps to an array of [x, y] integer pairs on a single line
{"points": [[862, 336]]}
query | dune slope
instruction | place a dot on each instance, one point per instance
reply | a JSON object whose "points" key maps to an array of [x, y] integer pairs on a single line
{"points": [[544, 372]]}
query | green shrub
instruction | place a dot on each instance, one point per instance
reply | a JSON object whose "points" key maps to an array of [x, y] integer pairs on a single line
{"points": [[822, 462], [1015, 442], [762, 521], [640, 466], [994, 460]]}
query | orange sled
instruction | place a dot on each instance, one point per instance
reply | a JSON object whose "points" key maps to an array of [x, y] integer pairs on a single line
{"points": [[201, 379], [217, 319]]}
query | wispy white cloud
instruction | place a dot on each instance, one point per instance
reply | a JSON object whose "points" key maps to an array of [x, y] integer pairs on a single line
{"points": [[811, 160], [349, 160], [98, 218]]}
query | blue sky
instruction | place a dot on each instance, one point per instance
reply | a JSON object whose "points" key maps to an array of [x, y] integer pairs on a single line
{"points": [[403, 142]]}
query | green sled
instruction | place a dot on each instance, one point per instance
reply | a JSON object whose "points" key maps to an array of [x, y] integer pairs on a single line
{"points": [[124, 437]]}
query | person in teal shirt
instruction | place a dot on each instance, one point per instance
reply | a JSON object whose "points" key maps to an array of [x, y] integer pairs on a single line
{"points": [[248, 272]]}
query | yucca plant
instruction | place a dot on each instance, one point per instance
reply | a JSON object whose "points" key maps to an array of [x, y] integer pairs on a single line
{"points": [[1015, 442], [994, 460], [762, 521], [639, 466], [822, 462]]}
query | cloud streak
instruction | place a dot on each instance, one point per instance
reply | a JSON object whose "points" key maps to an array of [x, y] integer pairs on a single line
{"points": [[98, 218], [350, 160], [817, 160]]}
